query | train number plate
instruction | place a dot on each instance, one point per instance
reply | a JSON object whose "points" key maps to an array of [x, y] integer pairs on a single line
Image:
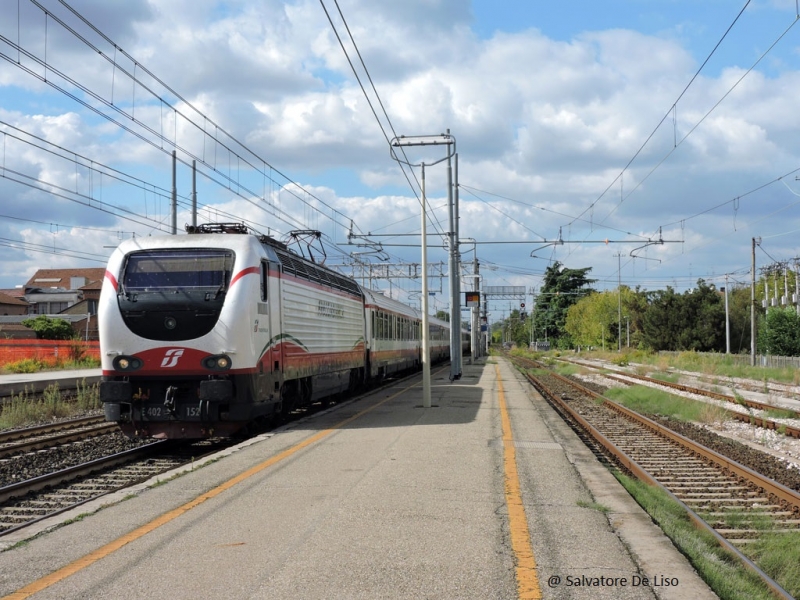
{"points": [[192, 412]]}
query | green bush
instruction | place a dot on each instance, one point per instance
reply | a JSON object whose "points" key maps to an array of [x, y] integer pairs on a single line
{"points": [[50, 329]]}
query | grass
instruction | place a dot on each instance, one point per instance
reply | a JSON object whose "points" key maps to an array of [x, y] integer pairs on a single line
{"points": [[594, 506], [22, 409], [647, 400], [665, 376], [567, 369], [778, 555], [718, 365], [780, 413], [721, 570], [35, 365]]}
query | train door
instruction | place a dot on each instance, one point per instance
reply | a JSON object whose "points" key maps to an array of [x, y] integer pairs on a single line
{"points": [[272, 283]]}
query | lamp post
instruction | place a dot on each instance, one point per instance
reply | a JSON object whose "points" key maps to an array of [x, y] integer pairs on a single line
{"points": [[428, 140]]}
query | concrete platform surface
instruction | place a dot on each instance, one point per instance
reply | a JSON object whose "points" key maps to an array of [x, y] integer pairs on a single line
{"points": [[374, 498], [16, 383]]}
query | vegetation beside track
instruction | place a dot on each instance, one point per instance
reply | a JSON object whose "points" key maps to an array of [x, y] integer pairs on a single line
{"points": [[649, 401], [35, 365], [720, 570], [23, 409], [719, 365]]}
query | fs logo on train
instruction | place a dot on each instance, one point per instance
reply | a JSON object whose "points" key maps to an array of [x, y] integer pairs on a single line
{"points": [[171, 358]]}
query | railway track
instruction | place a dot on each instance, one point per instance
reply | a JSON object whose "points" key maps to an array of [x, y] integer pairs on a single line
{"points": [[27, 502], [40, 437], [735, 502], [735, 401]]}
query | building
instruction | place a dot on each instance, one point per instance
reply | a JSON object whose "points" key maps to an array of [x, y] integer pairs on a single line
{"points": [[54, 291], [70, 294], [12, 304]]}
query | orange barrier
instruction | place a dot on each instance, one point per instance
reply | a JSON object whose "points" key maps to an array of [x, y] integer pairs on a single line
{"points": [[49, 351]]}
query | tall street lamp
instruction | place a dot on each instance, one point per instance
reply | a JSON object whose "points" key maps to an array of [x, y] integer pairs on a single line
{"points": [[425, 140]]}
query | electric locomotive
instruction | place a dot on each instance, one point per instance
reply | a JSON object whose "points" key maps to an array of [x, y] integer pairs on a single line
{"points": [[202, 334]]}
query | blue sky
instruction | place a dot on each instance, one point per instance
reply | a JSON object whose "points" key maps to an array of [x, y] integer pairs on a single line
{"points": [[551, 105]]}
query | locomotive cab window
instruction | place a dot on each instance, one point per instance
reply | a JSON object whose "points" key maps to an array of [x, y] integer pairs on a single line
{"points": [[169, 270], [174, 294]]}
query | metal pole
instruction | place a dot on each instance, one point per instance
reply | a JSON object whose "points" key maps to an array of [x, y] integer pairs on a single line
{"points": [[797, 288], [753, 306], [475, 312], [194, 193], [426, 365], [619, 301], [174, 193], [458, 256], [727, 320], [452, 265]]}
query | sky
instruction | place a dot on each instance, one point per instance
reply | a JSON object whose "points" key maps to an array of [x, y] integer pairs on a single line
{"points": [[654, 138]]}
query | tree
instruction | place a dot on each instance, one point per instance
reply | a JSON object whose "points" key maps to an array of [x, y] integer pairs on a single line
{"points": [[50, 329], [780, 333], [561, 288], [739, 317], [594, 319], [703, 319], [692, 321]]}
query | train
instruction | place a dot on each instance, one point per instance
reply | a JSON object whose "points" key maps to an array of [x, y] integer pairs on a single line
{"points": [[207, 333]]}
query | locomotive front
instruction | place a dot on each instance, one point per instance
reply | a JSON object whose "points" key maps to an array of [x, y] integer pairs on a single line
{"points": [[173, 331]]}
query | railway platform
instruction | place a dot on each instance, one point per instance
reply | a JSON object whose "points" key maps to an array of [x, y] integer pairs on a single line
{"points": [[486, 494], [16, 383]]}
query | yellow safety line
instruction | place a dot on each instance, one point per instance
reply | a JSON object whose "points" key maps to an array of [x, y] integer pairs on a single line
{"points": [[91, 558], [527, 580]]}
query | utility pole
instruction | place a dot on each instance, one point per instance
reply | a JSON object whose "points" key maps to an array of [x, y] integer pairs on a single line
{"points": [[727, 320], [753, 303], [619, 300], [797, 287], [194, 193], [455, 274], [174, 208]]}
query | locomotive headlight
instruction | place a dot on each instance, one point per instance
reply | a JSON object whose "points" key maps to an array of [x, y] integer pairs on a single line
{"points": [[127, 363], [170, 323], [219, 362]]}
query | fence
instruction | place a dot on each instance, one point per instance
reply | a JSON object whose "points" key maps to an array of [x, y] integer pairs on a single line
{"points": [[50, 351]]}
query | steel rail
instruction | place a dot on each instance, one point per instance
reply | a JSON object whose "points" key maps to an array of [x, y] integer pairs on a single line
{"points": [[12, 435], [58, 440]]}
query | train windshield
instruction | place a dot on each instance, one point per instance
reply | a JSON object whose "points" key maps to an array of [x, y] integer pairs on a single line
{"points": [[169, 270]]}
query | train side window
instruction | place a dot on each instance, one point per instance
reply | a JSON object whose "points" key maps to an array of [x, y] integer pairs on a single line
{"points": [[264, 280]]}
